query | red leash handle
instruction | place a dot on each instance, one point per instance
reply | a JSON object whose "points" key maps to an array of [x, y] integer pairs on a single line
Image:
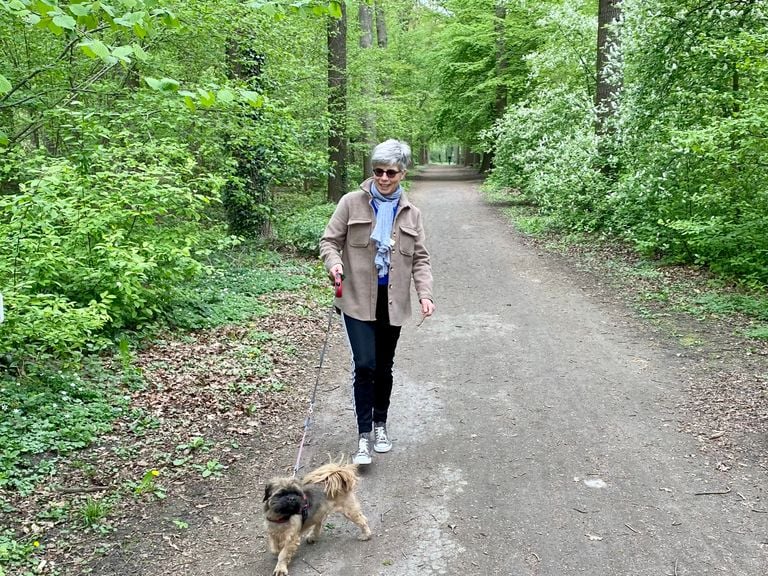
{"points": [[337, 284]]}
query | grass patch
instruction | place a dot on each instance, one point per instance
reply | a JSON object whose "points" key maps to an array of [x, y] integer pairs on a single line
{"points": [[504, 196], [642, 270], [711, 303], [758, 333], [528, 220]]}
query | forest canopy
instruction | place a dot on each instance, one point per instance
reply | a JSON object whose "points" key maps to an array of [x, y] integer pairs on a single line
{"points": [[139, 136]]}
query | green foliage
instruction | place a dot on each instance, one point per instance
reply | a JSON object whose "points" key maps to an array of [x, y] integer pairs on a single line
{"points": [[694, 186], [679, 172], [545, 147], [759, 332], [548, 152], [231, 290], [148, 485], [97, 249], [727, 304], [46, 415], [278, 9], [301, 221], [15, 550], [532, 225], [212, 468], [92, 512], [463, 68], [95, 41]]}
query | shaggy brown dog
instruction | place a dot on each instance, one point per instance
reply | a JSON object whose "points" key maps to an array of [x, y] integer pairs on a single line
{"points": [[293, 507]]}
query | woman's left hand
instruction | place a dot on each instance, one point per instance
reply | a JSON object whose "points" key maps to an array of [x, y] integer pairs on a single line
{"points": [[427, 307]]}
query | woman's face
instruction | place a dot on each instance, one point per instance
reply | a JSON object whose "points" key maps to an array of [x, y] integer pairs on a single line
{"points": [[387, 178]]}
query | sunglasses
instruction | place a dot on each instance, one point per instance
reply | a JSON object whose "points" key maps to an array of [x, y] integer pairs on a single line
{"points": [[379, 172]]}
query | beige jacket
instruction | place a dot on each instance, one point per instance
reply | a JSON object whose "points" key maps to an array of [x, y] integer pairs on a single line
{"points": [[347, 241]]}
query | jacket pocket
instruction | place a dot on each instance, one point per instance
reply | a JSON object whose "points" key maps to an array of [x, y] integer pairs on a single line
{"points": [[407, 240], [359, 233]]}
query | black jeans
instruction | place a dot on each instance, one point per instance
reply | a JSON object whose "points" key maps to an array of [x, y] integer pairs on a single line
{"points": [[373, 355]]}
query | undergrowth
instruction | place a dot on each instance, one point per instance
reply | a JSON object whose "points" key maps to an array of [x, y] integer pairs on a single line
{"points": [[50, 411]]}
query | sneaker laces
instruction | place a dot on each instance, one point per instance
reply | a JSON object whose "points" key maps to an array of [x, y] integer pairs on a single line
{"points": [[380, 432], [362, 445]]}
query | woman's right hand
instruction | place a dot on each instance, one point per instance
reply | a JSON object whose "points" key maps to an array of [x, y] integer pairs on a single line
{"points": [[336, 269]]}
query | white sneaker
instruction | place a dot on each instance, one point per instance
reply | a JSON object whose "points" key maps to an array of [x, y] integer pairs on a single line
{"points": [[381, 442], [363, 454]]}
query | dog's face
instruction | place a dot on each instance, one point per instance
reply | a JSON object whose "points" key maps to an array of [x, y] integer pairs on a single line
{"points": [[324, 490], [283, 497]]}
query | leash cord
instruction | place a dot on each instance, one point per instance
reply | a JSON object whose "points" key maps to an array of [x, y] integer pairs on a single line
{"points": [[308, 419]]}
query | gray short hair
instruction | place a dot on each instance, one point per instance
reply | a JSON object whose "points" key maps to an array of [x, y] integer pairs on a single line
{"points": [[392, 152]]}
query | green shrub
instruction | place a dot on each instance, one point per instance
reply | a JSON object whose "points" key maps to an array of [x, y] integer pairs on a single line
{"points": [[47, 327], [102, 247], [302, 229]]}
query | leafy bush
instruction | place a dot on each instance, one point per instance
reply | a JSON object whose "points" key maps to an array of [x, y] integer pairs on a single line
{"points": [[47, 327], [686, 145], [693, 183], [545, 146], [102, 246], [548, 151]]}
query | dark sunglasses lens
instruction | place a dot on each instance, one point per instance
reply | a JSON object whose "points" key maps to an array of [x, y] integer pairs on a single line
{"points": [[390, 173]]}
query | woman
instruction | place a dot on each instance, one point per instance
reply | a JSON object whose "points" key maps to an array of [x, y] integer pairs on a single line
{"points": [[375, 239]]}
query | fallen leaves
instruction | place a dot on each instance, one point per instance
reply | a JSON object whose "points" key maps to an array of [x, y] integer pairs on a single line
{"points": [[208, 396]]}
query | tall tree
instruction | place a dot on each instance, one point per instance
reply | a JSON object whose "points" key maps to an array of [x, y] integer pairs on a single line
{"points": [[246, 197], [607, 43], [381, 25], [337, 104], [502, 65], [365, 16]]}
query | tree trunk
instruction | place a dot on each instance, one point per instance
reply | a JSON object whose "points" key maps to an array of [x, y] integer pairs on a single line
{"points": [[502, 59], [247, 200], [607, 41], [337, 105], [365, 16], [424, 152], [381, 25], [502, 65]]}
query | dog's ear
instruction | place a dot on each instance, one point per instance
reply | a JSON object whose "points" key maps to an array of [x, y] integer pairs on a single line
{"points": [[268, 489]]}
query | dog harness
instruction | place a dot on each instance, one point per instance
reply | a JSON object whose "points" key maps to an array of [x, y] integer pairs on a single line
{"points": [[304, 513]]}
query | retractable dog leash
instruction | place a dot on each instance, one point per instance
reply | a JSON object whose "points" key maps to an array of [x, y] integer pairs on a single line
{"points": [[337, 287]]}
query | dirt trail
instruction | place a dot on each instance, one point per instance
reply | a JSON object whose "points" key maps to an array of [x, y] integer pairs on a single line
{"points": [[535, 433]]}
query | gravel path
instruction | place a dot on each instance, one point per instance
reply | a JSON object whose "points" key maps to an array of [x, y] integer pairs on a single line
{"points": [[537, 431]]}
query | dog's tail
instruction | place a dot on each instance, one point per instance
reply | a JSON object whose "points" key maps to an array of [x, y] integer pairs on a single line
{"points": [[338, 477]]}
